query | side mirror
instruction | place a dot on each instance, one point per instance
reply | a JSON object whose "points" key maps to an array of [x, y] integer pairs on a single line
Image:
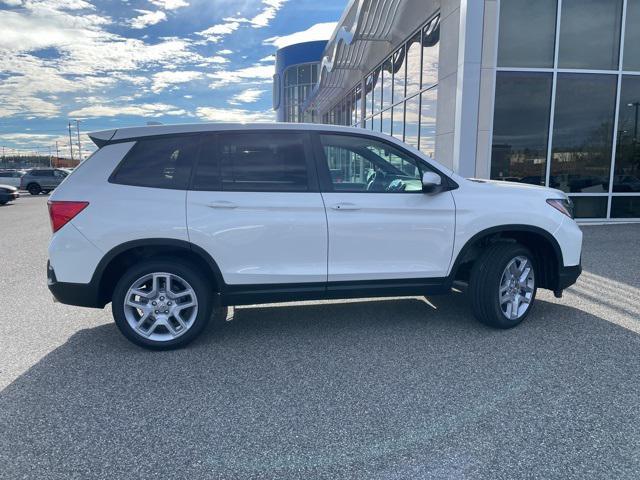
{"points": [[431, 182]]}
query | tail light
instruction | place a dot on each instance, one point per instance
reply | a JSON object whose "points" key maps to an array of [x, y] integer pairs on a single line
{"points": [[61, 213]]}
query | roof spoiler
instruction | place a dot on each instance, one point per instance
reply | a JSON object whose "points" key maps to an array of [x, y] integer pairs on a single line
{"points": [[102, 137]]}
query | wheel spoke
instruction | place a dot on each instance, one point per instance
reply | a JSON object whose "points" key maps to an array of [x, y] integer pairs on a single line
{"points": [[525, 273]]}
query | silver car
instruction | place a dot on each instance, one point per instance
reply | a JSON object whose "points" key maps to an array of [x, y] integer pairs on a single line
{"points": [[42, 180]]}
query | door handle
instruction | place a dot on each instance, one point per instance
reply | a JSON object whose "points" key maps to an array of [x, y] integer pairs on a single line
{"points": [[345, 206], [221, 204]]}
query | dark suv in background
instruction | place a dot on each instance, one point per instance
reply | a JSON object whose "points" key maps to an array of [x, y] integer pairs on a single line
{"points": [[42, 180]]}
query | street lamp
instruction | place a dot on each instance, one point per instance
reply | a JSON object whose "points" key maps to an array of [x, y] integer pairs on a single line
{"points": [[635, 123]]}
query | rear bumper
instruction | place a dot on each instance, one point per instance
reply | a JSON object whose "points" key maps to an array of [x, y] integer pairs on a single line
{"points": [[79, 294], [567, 276]]}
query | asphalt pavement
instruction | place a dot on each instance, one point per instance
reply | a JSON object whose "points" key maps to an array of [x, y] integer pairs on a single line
{"points": [[364, 389]]}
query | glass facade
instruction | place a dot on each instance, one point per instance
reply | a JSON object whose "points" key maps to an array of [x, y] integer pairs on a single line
{"points": [[399, 96], [567, 101], [299, 80]]}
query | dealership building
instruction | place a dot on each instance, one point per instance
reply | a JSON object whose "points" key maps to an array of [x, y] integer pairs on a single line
{"points": [[545, 92]]}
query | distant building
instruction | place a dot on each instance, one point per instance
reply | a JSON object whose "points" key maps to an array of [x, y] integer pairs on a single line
{"points": [[544, 91], [296, 73]]}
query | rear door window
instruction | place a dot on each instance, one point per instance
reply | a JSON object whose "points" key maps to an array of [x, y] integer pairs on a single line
{"points": [[163, 162], [254, 162]]}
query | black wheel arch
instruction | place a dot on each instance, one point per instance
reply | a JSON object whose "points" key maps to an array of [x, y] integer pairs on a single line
{"points": [[543, 245], [121, 257]]}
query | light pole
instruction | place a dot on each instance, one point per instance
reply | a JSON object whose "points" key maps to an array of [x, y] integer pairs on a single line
{"points": [[635, 123]]}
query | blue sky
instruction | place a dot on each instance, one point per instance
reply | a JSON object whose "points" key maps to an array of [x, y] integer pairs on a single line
{"points": [[115, 63]]}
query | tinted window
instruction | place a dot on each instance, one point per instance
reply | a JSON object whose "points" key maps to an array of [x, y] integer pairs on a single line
{"points": [[632, 36], [361, 164], [207, 176], [527, 33], [589, 207], [590, 34], [583, 131], [161, 162], [521, 127], [625, 207], [627, 174], [271, 162]]}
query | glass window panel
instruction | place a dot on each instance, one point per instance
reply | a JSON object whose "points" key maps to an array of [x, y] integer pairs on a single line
{"points": [[430, 52], [263, 162], [413, 64], [377, 90], [527, 33], [163, 162], [625, 207], [399, 73], [428, 107], [632, 36], [582, 132], [385, 122], [412, 121], [375, 123], [521, 127], [590, 34], [397, 125], [387, 82], [357, 102], [589, 207], [368, 99], [360, 164], [626, 177], [304, 74]]}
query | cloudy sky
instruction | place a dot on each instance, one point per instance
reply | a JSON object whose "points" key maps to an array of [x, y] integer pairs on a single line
{"points": [[125, 62]]}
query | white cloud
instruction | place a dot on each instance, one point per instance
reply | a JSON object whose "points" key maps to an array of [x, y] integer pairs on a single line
{"points": [[249, 95], [169, 4], [253, 74], [226, 51], [269, 11], [216, 32], [213, 114], [141, 110], [162, 80], [319, 31], [147, 18], [12, 3]]}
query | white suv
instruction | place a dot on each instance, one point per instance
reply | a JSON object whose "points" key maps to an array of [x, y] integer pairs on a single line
{"points": [[173, 223]]}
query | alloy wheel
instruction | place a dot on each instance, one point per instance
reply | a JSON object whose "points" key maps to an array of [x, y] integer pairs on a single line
{"points": [[517, 286], [160, 306]]}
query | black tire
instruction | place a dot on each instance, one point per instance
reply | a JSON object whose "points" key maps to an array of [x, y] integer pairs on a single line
{"points": [[484, 285], [3, 202], [185, 270], [34, 189]]}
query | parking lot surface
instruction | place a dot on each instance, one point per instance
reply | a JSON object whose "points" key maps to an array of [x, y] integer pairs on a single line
{"points": [[372, 388]]}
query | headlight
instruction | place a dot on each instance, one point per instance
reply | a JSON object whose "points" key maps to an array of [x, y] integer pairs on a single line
{"points": [[563, 205]]}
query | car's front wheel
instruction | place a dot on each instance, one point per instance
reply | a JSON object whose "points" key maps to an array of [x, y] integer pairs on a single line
{"points": [[162, 304], [503, 285], [34, 189]]}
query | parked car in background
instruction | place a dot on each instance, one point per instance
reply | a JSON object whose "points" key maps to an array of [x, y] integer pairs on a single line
{"points": [[8, 193], [171, 223], [42, 180], [11, 177]]}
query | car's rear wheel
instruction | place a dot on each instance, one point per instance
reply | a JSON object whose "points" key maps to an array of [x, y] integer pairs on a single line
{"points": [[503, 285], [162, 304], [34, 189]]}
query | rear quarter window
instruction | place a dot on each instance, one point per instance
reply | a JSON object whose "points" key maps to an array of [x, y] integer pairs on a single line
{"points": [[163, 162]]}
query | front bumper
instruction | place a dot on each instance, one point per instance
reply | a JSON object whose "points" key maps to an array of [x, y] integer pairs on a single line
{"points": [[567, 276], [79, 294]]}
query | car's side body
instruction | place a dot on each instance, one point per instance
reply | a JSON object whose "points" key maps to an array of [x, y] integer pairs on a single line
{"points": [[45, 179], [259, 247], [11, 177]]}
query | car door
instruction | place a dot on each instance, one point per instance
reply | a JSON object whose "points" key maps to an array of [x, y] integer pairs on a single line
{"points": [[255, 206], [381, 224], [58, 177]]}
